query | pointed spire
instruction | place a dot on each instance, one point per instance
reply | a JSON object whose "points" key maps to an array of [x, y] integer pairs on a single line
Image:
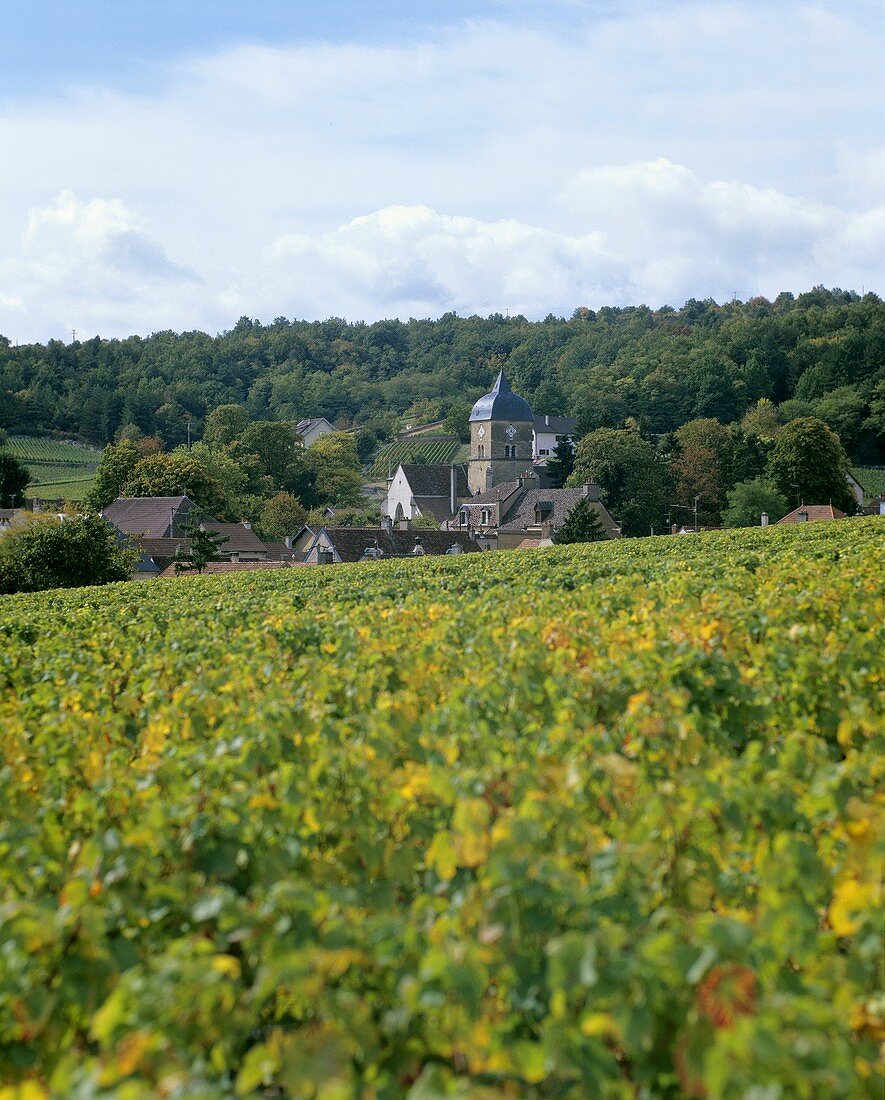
{"points": [[501, 383]]}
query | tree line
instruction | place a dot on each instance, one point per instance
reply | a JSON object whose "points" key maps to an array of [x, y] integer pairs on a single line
{"points": [[708, 474], [820, 354]]}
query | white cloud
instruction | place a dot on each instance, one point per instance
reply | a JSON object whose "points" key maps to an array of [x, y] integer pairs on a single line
{"points": [[92, 261], [654, 233], [671, 149], [412, 260]]}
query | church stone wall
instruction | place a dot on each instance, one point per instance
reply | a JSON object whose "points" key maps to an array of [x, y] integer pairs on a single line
{"points": [[500, 450]]}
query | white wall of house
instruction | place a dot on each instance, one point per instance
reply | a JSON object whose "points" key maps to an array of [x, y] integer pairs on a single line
{"points": [[543, 444], [317, 428], [400, 499]]}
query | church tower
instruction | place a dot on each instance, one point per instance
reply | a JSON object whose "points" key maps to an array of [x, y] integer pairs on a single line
{"points": [[500, 438]]}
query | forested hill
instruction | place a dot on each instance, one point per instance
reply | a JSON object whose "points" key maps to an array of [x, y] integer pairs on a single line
{"points": [[825, 349]]}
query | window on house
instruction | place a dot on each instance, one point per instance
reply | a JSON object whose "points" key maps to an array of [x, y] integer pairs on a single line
{"points": [[485, 517]]}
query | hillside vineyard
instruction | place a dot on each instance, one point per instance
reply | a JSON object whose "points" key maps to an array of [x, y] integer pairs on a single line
{"points": [[595, 821]]}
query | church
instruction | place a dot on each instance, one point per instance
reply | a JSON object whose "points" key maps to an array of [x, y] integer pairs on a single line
{"points": [[501, 438], [496, 495]]}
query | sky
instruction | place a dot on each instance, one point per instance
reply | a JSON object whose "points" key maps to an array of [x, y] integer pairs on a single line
{"points": [[177, 164]]}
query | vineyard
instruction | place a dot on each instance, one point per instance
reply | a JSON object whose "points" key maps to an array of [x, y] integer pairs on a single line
{"points": [[63, 470], [420, 448], [595, 821], [872, 478]]}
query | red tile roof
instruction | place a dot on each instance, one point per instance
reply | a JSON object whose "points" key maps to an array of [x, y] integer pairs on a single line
{"points": [[813, 512]]}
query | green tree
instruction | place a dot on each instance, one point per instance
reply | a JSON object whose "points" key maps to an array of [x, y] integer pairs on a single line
{"points": [[632, 476], [334, 461], [561, 464], [808, 465], [14, 479], [234, 475], [179, 473], [761, 420], [366, 515], [224, 425], [582, 524], [202, 549], [116, 467], [457, 421], [281, 516], [273, 454], [46, 552], [701, 451], [749, 499], [425, 522], [843, 411]]}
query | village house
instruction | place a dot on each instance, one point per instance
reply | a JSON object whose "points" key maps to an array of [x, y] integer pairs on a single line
{"points": [[811, 513], [151, 517], [334, 545], [312, 428], [521, 513], [432, 489], [548, 431], [499, 497]]}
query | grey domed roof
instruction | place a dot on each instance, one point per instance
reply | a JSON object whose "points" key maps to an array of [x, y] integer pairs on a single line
{"points": [[501, 404]]}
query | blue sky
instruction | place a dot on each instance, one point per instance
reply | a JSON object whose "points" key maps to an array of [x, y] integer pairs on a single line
{"points": [[176, 164]]}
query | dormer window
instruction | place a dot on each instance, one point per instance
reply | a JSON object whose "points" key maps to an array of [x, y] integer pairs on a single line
{"points": [[485, 517], [543, 511]]}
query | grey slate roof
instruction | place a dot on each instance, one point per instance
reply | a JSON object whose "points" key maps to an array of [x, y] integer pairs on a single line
{"points": [[161, 551], [561, 425], [438, 507], [151, 516], [278, 551], [433, 479], [501, 403], [308, 422], [240, 539], [493, 495], [563, 500], [352, 542]]}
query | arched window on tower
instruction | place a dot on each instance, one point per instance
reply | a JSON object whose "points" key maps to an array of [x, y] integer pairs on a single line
{"points": [[480, 451]]}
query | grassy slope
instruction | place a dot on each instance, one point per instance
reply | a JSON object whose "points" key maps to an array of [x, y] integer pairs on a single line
{"points": [[582, 820]]}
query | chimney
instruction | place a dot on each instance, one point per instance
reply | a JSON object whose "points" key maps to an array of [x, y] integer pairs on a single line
{"points": [[591, 492], [386, 523], [764, 519], [404, 524], [288, 542], [546, 420], [247, 524]]}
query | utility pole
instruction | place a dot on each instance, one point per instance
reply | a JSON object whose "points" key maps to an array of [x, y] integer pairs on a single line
{"points": [[187, 420], [696, 499]]}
